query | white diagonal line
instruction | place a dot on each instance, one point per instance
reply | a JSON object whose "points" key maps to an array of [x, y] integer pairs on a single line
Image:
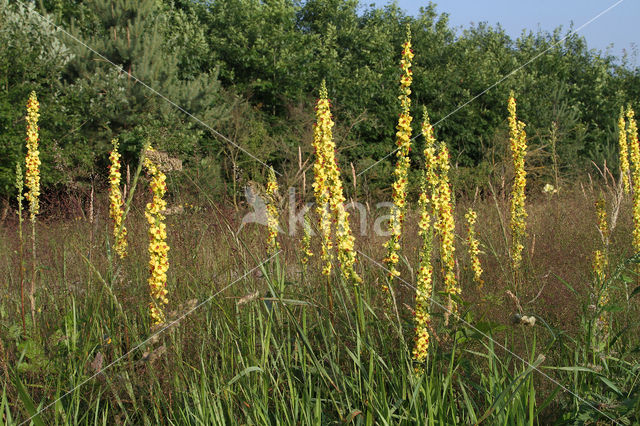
{"points": [[501, 80], [545, 375], [151, 89], [139, 345]]}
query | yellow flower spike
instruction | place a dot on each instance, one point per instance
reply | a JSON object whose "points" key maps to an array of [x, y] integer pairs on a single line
{"points": [[601, 257], [32, 182], [272, 212], [424, 285], [518, 143], [32, 175], [600, 264], [158, 247], [632, 140], [473, 245], [624, 151], [329, 194], [116, 203], [603, 226], [403, 143], [445, 226], [320, 183]]}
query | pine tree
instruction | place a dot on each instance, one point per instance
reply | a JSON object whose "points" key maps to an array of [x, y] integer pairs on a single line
{"points": [[130, 74]]}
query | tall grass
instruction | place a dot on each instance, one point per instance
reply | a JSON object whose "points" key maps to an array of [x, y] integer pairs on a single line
{"points": [[263, 335], [264, 351]]}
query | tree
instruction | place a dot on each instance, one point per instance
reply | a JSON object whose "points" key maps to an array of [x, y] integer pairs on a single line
{"points": [[32, 57], [130, 82]]}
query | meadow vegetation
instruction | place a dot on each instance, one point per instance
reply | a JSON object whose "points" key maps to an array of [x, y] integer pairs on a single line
{"points": [[137, 294], [265, 349]]}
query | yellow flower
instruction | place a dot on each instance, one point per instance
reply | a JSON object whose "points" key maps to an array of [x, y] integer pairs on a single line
{"points": [[632, 140], [600, 264], [329, 194], [518, 143], [601, 260], [32, 175], [320, 184], [403, 143], [158, 247], [603, 226], [624, 155], [424, 287], [473, 245], [272, 212], [116, 202], [445, 226]]}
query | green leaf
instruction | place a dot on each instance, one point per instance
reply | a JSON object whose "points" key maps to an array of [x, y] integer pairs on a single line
{"points": [[244, 373], [572, 368], [28, 403], [611, 385]]}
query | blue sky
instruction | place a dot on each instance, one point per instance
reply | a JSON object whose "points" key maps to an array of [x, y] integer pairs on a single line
{"points": [[619, 26]]}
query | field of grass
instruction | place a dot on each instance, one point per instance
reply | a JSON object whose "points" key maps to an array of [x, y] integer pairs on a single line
{"points": [[251, 339], [166, 306]]}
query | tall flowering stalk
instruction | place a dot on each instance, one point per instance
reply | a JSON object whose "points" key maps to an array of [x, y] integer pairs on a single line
{"points": [[518, 143], [116, 211], [424, 287], [600, 265], [474, 247], [272, 212], [632, 140], [445, 226], [20, 198], [603, 226], [403, 142], [32, 175], [158, 247], [32, 178], [344, 237], [624, 151], [328, 189], [321, 177]]}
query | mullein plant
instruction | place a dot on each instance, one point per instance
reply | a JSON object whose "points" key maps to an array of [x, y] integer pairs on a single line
{"points": [[344, 237], [272, 212], [518, 143], [445, 227], [600, 265], [32, 178], [158, 247], [20, 198], [321, 179], [329, 194], [632, 140], [116, 211], [403, 143], [424, 287], [474, 247], [624, 151]]}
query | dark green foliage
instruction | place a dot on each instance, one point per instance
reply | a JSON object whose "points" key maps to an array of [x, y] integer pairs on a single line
{"points": [[130, 36], [32, 56], [250, 70]]}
